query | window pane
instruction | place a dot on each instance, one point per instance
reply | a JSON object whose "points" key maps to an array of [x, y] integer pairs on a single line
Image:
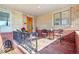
{"points": [[57, 19], [3, 23], [65, 22], [4, 14], [66, 18], [4, 18]]}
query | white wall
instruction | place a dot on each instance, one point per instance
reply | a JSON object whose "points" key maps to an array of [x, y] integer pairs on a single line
{"points": [[44, 21], [17, 20]]}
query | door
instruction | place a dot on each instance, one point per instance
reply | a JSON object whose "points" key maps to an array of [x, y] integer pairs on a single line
{"points": [[29, 24]]}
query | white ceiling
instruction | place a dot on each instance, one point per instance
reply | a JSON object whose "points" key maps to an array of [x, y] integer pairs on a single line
{"points": [[34, 9]]}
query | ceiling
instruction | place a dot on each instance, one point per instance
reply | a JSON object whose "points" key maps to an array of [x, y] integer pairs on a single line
{"points": [[35, 9]]}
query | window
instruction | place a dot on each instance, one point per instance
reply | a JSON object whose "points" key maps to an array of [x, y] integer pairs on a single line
{"points": [[66, 18], [62, 18], [4, 18], [57, 18]]}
